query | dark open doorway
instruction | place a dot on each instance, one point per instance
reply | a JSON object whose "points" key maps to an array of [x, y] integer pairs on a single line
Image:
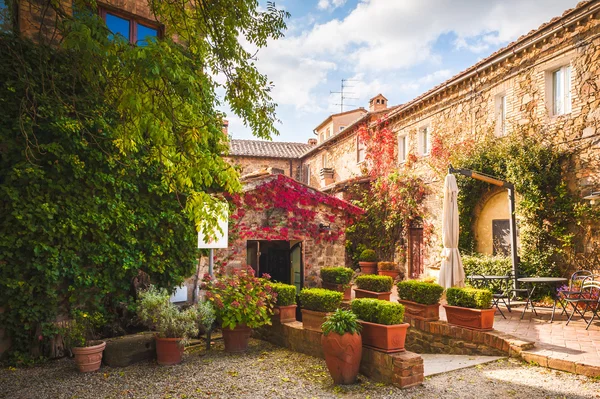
{"points": [[282, 260]]}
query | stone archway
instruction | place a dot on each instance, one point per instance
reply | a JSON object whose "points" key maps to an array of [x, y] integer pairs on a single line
{"points": [[491, 225]]}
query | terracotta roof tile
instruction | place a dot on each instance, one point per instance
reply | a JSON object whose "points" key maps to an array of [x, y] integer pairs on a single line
{"points": [[267, 149]]}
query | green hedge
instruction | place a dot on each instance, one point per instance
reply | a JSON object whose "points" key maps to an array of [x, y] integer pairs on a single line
{"points": [[486, 265], [469, 298], [286, 293], [320, 299], [337, 275], [420, 292], [377, 311], [368, 255], [371, 282]]}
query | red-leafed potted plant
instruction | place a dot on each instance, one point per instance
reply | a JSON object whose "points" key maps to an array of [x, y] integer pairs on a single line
{"points": [[285, 304], [173, 325], [338, 279], [373, 286], [242, 302], [342, 346], [81, 336], [382, 324], [421, 299], [470, 308], [367, 261], [388, 269], [318, 303]]}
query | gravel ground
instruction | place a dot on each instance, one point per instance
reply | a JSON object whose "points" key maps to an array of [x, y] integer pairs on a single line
{"points": [[266, 371]]}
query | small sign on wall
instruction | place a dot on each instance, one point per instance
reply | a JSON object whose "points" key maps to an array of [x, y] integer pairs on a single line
{"points": [[209, 236]]}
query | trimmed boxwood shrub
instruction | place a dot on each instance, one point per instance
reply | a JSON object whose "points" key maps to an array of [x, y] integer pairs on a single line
{"points": [[320, 299], [387, 266], [286, 293], [420, 292], [337, 275], [469, 298], [371, 282], [377, 311], [368, 255]]}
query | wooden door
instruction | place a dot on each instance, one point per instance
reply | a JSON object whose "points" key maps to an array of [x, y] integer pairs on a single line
{"points": [[416, 252]]}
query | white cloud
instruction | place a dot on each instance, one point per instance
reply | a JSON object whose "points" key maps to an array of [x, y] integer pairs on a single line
{"points": [[330, 4]]}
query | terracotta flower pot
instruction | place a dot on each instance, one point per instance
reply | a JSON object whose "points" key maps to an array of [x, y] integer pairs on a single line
{"points": [[368, 267], [384, 296], [347, 291], [312, 320], [418, 311], [88, 358], [236, 340], [388, 339], [284, 314], [342, 356], [473, 319], [392, 273], [169, 351]]}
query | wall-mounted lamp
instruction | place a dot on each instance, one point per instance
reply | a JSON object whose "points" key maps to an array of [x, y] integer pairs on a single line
{"points": [[593, 197], [324, 227]]}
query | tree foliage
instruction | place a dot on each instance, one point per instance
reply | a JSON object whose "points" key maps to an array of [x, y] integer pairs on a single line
{"points": [[109, 152]]}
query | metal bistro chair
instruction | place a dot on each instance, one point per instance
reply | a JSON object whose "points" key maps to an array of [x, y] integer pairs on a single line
{"points": [[575, 285], [499, 289], [514, 293], [590, 296]]}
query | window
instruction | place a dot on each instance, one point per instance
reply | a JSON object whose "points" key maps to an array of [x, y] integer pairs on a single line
{"points": [[328, 134], [361, 150], [402, 149], [501, 115], [128, 27], [5, 18], [561, 90], [324, 160], [501, 237], [342, 128], [322, 136], [306, 177], [424, 140]]}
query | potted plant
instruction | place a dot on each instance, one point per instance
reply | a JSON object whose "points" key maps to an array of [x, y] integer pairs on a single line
{"points": [[420, 299], [173, 325], [470, 308], [285, 305], [338, 279], [342, 346], [242, 302], [81, 337], [372, 286], [382, 324], [388, 269], [317, 303], [368, 261]]}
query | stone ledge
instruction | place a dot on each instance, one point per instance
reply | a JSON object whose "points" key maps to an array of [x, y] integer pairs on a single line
{"points": [[403, 369]]}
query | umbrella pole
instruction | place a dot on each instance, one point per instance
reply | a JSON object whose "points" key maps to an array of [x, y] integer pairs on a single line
{"points": [[513, 234]]}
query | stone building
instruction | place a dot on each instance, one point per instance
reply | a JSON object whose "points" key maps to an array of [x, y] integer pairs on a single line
{"points": [[255, 155], [286, 229]]}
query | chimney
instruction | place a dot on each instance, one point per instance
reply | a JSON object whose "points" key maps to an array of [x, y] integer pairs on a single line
{"points": [[377, 103], [312, 142], [225, 127]]}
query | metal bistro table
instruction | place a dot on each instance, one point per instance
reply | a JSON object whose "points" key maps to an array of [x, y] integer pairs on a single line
{"points": [[533, 283]]}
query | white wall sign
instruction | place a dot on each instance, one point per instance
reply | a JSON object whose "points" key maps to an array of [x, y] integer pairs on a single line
{"points": [[213, 238]]}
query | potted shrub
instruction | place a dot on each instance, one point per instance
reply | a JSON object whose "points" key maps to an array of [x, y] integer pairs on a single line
{"points": [[372, 286], [420, 299], [285, 304], [470, 308], [368, 261], [382, 324], [317, 303], [338, 279], [173, 325], [242, 301], [388, 269], [342, 346], [81, 337]]}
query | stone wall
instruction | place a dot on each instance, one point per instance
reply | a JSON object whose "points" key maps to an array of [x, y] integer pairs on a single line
{"points": [[468, 111], [248, 165], [404, 369]]}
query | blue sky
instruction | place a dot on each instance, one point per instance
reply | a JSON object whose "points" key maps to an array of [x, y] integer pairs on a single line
{"points": [[400, 48]]}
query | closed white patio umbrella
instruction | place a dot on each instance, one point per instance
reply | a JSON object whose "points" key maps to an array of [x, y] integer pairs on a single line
{"points": [[452, 273]]}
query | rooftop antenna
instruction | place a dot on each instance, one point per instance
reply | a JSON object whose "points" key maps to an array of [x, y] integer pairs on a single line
{"points": [[344, 93]]}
